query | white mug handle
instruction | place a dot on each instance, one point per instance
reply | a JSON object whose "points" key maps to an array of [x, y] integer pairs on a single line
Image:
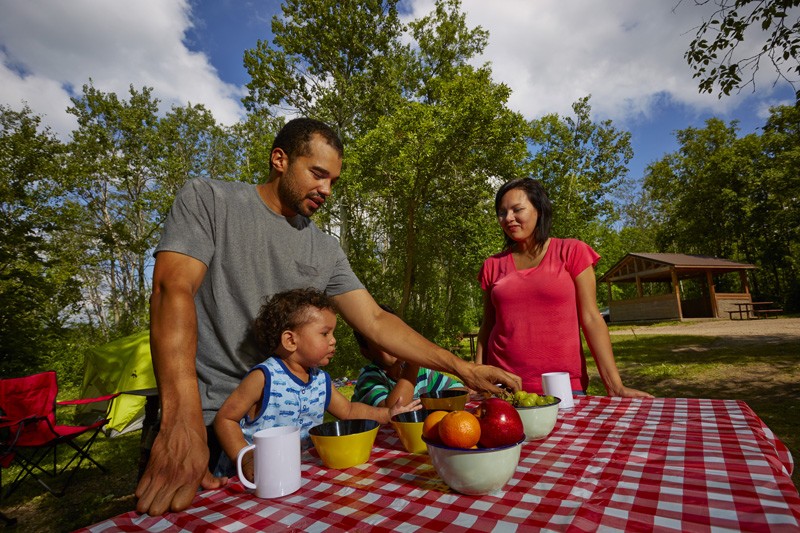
{"points": [[243, 479]]}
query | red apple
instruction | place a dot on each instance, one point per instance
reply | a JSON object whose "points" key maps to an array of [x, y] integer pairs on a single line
{"points": [[500, 423]]}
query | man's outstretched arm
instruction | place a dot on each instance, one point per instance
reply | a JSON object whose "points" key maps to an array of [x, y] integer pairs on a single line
{"points": [[394, 336]]}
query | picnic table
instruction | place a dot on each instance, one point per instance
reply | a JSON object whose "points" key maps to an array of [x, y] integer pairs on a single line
{"points": [[614, 464], [747, 310]]}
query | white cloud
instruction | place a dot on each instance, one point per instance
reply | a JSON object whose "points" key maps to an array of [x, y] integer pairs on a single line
{"points": [[628, 54], [50, 47]]}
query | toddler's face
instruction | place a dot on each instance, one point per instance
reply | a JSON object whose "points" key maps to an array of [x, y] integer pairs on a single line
{"points": [[315, 341]]}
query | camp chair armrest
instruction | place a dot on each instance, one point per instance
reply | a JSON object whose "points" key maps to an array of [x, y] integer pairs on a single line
{"points": [[82, 401], [7, 421]]}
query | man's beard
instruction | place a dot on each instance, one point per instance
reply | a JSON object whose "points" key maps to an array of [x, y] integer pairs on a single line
{"points": [[293, 198]]}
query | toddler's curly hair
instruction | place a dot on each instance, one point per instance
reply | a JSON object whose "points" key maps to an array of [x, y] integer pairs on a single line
{"points": [[284, 311]]}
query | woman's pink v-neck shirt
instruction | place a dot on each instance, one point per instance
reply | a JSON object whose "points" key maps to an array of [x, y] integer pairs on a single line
{"points": [[536, 326]]}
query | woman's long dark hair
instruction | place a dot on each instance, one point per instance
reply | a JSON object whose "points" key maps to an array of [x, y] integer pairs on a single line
{"points": [[536, 194]]}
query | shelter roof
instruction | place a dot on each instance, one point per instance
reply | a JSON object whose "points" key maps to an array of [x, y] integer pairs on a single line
{"points": [[659, 267]]}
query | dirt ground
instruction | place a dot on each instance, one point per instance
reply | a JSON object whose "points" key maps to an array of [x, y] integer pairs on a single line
{"points": [[780, 328]]}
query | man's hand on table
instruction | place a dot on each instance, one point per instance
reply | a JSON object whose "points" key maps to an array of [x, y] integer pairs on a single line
{"points": [[178, 465], [486, 378]]}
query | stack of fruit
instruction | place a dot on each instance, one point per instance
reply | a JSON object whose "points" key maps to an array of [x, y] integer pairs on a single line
{"points": [[495, 423], [475, 453]]}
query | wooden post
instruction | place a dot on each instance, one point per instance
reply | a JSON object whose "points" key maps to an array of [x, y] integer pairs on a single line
{"points": [[712, 294], [677, 290], [745, 283]]}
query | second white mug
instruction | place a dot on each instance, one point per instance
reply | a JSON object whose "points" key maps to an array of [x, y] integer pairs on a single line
{"points": [[558, 384]]}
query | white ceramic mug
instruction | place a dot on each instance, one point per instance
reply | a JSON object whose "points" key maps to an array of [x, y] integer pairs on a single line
{"points": [[558, 384], [276, 462]]}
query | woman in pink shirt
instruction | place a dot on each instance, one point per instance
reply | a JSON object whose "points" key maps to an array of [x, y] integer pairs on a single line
{"points": [[539, 292]]}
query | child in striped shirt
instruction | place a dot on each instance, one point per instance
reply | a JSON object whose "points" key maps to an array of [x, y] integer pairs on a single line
{"points": [[387, 379]]}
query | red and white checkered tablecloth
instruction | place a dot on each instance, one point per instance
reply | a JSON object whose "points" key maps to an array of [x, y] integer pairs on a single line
{"points": [[610, 464]]}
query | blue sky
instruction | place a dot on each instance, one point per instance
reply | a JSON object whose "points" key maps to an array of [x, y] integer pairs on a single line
{"points": [[628, 54]]}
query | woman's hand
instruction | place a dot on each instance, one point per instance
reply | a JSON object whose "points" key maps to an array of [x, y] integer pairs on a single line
{"points": [[626, 392]]}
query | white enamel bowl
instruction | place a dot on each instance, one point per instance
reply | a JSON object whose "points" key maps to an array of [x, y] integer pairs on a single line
{"points": [[539, 420], [475, 471]]}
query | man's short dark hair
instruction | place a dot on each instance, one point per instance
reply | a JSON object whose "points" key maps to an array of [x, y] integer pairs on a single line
{"points": [[286, 310], [360, 339], [295, 137]]}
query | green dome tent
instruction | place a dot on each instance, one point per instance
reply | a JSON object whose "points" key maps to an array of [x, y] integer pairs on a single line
{"points": [[121, 365]]}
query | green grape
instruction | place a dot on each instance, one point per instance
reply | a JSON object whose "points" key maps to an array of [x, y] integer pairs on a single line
{"points": [[550, 399], [527, 402]]}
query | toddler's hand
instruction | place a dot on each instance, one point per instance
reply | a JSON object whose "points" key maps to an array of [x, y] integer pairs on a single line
{"points": [[248, 468], [397, 408]]}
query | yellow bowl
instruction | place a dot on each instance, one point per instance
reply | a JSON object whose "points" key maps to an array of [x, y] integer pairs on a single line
{"points": [[344, 443], [409, 428], [445, 400]]}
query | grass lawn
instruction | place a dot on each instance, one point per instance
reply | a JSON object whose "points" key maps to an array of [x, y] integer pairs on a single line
{"points": [[765, 375]]}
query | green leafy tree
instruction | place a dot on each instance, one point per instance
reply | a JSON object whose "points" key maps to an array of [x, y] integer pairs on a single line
{"points": [[194, 146], [735, 198], [714, 55], [125, 165], [444, 47], [38, 286], [581, 163], [425, 176], [114, 157], [776, 217], [329, 60], [415, 170], [250, 142], [704, 191]]}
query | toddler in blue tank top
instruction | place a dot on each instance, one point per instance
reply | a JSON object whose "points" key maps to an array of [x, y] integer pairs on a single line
{"points": [[289, 388]]}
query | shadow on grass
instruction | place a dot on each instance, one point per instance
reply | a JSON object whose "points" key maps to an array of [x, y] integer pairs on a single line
{"points": [[92, 496]]}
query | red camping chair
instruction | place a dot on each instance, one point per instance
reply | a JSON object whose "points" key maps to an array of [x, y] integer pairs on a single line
{"points": [[29, 432]]}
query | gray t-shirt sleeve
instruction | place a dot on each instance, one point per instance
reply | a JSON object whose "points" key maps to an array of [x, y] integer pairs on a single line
{"points": [[189, 227]]}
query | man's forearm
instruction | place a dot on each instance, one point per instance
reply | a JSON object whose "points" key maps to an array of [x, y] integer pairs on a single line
{"points": [[408, 345], [173, 345]]}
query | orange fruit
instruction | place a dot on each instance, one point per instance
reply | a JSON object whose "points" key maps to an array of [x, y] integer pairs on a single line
{"points": [[460, 429], [430, 427]]}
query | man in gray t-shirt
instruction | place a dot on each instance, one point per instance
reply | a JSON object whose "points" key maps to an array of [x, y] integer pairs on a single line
{"points": [[225, 225], [225, 248]]}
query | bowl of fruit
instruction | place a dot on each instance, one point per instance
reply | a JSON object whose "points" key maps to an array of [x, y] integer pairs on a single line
{"points": [[445, 400], [475, 453], [539, 413]]}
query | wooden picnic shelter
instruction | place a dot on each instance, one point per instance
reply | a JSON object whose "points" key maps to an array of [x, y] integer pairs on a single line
{"points": [[662, 286]]}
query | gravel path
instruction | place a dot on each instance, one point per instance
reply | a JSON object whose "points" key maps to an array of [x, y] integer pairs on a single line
{"points": [[768, 327]]}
